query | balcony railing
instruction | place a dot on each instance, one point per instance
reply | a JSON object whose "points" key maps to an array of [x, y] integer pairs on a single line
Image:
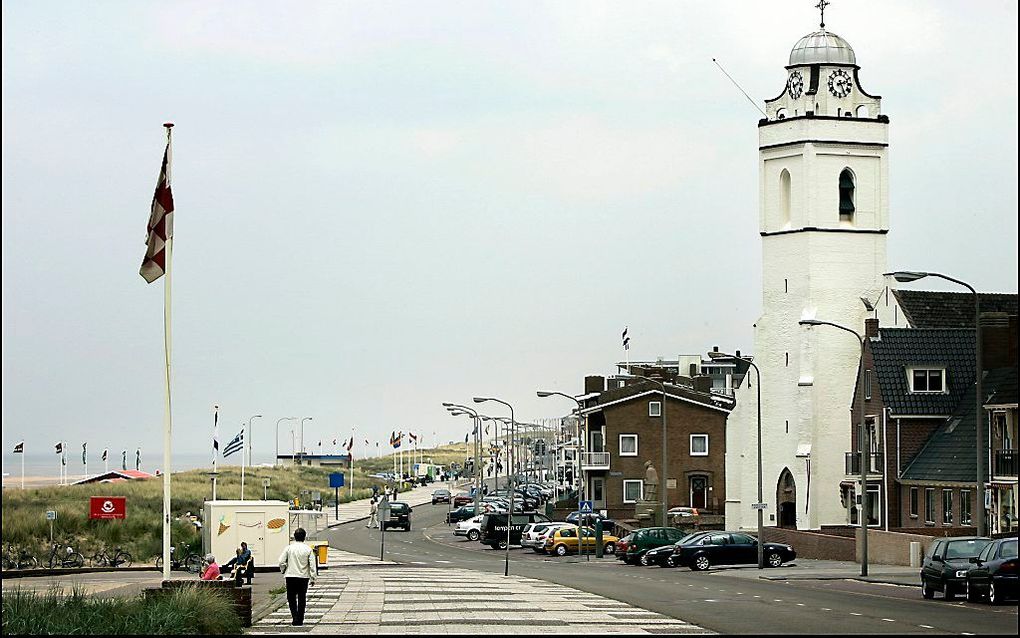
{"points": [[595, 461], [853, 463], [1004, 463]]}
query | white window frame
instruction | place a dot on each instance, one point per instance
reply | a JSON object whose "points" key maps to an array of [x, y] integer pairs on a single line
{"points": [[641, 490], [629, 436], [657, 404], [966, 516], [699, 436], [910, 380], [929, 506], [946, 492]]}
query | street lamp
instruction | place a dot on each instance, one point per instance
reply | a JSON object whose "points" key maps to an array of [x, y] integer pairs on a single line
{"points": [[862, 439], [256, 416], [462, 410], [278, 422], [301, 436], [665, 468], [582, 437], [761, 513], [510, 481], [498, 421], [907, 276]]}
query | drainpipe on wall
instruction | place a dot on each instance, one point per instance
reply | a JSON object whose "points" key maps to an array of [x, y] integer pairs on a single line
{"points": [[885, 465]]}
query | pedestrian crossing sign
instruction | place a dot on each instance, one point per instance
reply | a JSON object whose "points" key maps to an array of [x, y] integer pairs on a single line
{"points": [[586, 507]]}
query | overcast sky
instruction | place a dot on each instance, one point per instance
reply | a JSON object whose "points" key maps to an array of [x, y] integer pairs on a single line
{"points": [[386, 205]]}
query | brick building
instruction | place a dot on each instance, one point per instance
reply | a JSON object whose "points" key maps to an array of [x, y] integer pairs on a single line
{"points": [[625, 431], [918, 401]]}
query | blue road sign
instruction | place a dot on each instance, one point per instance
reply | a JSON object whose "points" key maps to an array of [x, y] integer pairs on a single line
{"points": [[336, 479], [585, 507]]}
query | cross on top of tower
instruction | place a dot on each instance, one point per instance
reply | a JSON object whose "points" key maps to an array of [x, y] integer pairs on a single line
{"points": [[821, 7]]}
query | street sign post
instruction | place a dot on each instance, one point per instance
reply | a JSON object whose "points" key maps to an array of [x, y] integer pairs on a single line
{"points": [[384, 515], [51, 515], [586, 507], [265, 489], [759, 506], [336, 481]]}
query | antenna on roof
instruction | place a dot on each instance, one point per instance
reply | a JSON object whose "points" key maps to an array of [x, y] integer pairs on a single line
{"points": [[753, 103]]}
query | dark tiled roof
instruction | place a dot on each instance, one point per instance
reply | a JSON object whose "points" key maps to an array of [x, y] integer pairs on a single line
{"points": [[637, 387], [999, 386], [928, 309], [898, 349], [949, 454]]}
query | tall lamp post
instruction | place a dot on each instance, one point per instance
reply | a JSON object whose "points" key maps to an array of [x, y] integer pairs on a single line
{"points": [[301, 436], [255, 416], [862, 439], [906, 276], [582, 435], [761, 512], [278, 422], [461, 410], [665, 468], [510, 483]]}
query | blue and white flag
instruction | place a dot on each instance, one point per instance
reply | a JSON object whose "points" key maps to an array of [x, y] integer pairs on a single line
{"points": [[236, 444]]}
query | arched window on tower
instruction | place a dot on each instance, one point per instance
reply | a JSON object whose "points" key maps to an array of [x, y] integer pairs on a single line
{"points": [[785, 194], [846, 196], [862, 110]]}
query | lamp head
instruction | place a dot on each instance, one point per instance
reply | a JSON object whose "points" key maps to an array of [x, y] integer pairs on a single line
{"points": [[715, 354], [810, 322], [446, 404], [479, 399], [906, 276]]}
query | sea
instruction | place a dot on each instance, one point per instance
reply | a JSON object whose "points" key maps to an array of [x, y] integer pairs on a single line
{"points": [[48, 465]]}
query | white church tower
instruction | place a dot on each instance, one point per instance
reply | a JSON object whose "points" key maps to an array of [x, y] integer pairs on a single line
{"points": [[823, 217]]}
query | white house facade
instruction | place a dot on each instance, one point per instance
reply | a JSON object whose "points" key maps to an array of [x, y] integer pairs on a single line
{"points": [[824, 216]]}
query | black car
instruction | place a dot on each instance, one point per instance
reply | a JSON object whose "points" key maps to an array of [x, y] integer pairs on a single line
{"points": [[700, 552], [994, 574], [663, 556], [589, 519], [441, 496], [400, 516], [946, 565], [494, 527], [462, 513]]}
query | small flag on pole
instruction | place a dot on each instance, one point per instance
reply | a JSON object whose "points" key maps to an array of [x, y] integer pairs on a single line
{"points": [[106, 454], [215, 433], [626, 340], [19, 448], [138, 459], [84, 451], [59, 448], [236, 444], [161, 224], [350, 444], [123, 460]]}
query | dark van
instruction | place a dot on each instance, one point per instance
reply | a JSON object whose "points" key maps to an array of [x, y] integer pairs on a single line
{"points": [[493, 528], [400, 516]]}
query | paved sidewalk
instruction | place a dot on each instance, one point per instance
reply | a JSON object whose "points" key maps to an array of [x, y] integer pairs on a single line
{"points": [[362, 595], [812, 569], [358, 510]]}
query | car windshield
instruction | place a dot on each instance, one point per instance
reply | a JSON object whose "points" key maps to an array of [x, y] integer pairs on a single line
{"points": [[398, 507], [965, 549], [1008, 549]]}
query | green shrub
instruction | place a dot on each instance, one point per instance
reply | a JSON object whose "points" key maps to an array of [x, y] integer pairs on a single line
{"points": [[187, 611]]}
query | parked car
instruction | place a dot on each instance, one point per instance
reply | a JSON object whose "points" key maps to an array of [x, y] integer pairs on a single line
{"points": [[567, 540], [622, 545], [535, 534], [462, 513], [994, 574], [472, 528], [648, 538], [946, 565], [462, 499], [589, 519], [441, 496], [494, 527], [663, 556], [400, 516], [728, 548]]}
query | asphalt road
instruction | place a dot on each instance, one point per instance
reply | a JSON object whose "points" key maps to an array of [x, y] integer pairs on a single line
{"points": [[728, 600]]}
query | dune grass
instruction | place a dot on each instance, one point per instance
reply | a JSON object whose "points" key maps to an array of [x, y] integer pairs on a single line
{"points": [[186, 611], [24, 511]]}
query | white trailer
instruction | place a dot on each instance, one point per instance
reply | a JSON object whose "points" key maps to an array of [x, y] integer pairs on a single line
{"points": [[264, 525]]}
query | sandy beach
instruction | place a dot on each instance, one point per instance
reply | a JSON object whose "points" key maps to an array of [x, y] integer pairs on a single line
{"points": [[13, 482]]}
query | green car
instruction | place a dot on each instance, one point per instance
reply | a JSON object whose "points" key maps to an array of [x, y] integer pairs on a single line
{"points": [[648, 538]]}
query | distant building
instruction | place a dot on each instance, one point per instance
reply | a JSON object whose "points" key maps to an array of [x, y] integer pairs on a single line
{"points": [[315, 460], [115, 476], [725, 375]]}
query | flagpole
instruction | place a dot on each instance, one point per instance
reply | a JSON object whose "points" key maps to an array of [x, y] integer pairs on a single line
{"points": [[22, 466], [167, 349], [216, 446], [242, 466]]}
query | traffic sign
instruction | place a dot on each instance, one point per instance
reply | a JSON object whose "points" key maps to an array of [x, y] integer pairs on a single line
{"points": [[586, 507], [51, 515], [107, 507], [759, 506]]}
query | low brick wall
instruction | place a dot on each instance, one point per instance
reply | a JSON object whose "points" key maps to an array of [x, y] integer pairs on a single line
{"points": [[241, 596], [813, 544], [893, 547]]}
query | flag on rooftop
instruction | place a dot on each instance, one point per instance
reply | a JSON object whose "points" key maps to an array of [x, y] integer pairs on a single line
{"points": [[161, 224], [236, 444]]}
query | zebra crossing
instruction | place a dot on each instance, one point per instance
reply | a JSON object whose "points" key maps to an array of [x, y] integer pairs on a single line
{"points": [[365, 596]]}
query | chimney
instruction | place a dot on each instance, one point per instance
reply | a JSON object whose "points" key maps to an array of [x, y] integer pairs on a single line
{"points": [[998, 340], [737, 354], [594, 384], [871, 327]]}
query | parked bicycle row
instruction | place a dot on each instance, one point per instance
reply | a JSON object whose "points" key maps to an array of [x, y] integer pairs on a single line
{"points": [[64, 556]]}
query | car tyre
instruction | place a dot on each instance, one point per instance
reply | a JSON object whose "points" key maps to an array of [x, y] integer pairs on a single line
{"points": [[671, 561], [610, 548], [700, 563], [972, 593], [645, 560], [994, 596], [561, 550], [474, 535], [926, 589], [774, 560]]}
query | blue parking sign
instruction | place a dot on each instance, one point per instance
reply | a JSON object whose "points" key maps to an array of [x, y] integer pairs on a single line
{"points": [[586, 507]]}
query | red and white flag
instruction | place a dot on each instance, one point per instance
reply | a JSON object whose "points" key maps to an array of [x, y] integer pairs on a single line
{"points": [[161, 224]]}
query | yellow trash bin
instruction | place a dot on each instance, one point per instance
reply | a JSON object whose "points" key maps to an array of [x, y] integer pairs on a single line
{"points": [[321, 549]]}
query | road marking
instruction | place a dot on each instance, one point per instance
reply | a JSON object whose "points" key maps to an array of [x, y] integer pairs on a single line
{"points": [[826, 609], [926, 626], [800, 604], [854, 613], [888, 620]]}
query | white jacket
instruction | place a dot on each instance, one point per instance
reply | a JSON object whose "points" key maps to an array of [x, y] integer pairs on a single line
{"points": [[298, 561]]}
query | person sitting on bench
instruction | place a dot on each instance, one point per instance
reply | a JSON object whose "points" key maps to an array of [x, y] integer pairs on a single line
{"points": [[243, 565]]}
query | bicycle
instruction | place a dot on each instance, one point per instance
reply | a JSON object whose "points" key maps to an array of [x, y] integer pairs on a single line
{"points": [[15, 558], [70, 558], [118, 558], [192, 563]]}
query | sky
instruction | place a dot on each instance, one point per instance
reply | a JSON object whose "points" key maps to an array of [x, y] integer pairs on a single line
{"points": [[381, 206]]}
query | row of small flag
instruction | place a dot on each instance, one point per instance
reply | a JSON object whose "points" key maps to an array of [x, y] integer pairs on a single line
{"points": [[59, 449], [397, 438]]}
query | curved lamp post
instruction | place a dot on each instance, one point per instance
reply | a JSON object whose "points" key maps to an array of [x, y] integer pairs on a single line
{"points": [[761, 513], [582, 438], [862, 439], [462, 410], [301, 436], [255, 416], [907, 276], [278, 422], [510, 483]]}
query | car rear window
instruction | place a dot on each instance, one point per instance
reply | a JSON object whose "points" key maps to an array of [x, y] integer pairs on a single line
{"points": [[964, 549], [1008, 549]]}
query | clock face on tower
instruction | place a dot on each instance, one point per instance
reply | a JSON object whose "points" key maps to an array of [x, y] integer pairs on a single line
{"points": [[796, 85], [840, 83]]}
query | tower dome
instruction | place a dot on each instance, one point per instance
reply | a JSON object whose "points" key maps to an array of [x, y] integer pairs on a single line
{"points": [[822, 47]]}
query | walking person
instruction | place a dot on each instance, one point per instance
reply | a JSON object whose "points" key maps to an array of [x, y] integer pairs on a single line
{"points": [[298, 564], [373, 514]]}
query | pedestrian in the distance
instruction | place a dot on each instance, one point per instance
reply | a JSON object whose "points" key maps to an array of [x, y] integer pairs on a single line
{"points": [[373, 514], [297, 562]]}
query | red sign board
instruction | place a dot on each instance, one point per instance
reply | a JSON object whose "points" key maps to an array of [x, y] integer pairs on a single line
{"points": [[107, 507]]}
